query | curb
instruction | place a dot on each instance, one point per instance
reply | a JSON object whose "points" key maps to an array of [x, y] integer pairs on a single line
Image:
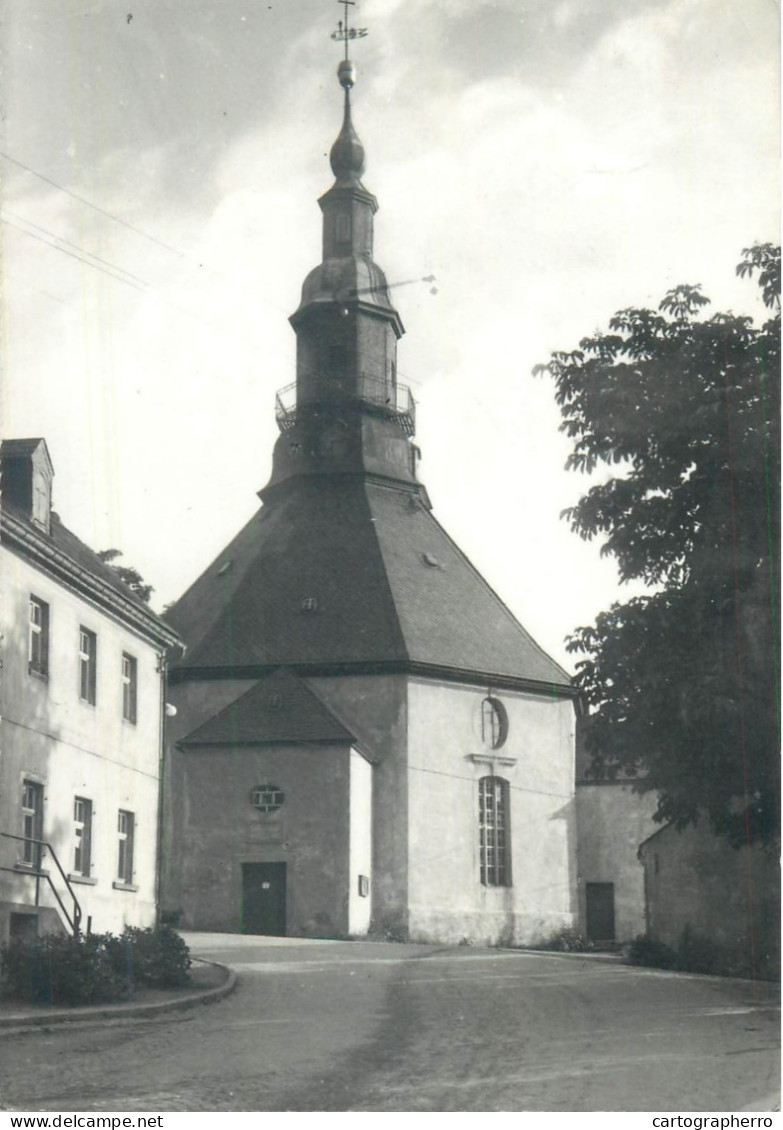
{"points": [[118, 1012]]}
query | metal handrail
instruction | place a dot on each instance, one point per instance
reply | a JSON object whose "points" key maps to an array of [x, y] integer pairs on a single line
{"points": [[39, 873], [374, 392]]}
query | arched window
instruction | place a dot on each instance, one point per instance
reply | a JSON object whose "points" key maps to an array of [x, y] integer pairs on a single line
{"points": [[494, 833]]}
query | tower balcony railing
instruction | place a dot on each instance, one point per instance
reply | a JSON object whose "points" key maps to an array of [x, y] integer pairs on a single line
{"points": [[372, 393]]}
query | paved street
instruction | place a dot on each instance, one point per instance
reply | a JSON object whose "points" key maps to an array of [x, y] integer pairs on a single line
{"points": [[338, 1026]]}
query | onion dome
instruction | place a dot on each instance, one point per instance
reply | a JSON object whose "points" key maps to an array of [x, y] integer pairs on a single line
{"points": [[347, 154]]}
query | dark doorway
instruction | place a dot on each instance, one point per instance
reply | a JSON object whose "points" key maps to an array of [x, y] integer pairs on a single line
{"points": [[263, 898], [600, 911]]}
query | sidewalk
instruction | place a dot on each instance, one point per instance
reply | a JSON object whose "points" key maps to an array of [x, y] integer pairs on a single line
{"points": [[209, 982]]}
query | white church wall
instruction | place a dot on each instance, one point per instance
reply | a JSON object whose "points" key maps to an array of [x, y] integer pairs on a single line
{"points": [[360, 846], [446, 759]]}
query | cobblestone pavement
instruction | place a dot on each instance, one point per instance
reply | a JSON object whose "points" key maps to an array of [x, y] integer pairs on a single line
{"points": [[362, 1027]]}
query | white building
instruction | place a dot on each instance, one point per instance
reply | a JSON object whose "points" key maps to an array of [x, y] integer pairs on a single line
{"points": [[82, 700]]}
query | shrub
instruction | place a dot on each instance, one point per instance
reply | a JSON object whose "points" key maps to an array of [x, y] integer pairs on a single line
{"points": [[566, 940], [648, 951], [59, 969], [158, 958]]}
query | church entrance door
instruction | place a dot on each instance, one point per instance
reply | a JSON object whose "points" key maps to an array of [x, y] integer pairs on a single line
{"points": [[600, 912], [263, 898]]}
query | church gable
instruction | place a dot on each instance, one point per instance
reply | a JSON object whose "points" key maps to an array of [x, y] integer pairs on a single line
{"points": [[278, 710]]}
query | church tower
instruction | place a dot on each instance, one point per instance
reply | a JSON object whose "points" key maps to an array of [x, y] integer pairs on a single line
{"points": [[366, 740]]}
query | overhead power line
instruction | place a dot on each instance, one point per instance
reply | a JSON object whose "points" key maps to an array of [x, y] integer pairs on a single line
{"points": [[103, 211]]}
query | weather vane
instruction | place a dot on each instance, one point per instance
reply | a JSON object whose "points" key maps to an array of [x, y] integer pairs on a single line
{"points": [[344, 33]]}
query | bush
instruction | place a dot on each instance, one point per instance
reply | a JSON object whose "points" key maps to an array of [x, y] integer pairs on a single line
{"points": [[566, 940], [158, 958], [648, 951], [59, 969]]}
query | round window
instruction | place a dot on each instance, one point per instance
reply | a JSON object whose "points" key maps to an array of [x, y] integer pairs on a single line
{"points": [[267, 798], [494, 723]]}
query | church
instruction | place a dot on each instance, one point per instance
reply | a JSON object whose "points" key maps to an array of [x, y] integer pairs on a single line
{"points": [[366, 741]]}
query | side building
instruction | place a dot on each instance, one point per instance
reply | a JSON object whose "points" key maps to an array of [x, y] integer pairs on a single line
{"points": [[82, 706]]}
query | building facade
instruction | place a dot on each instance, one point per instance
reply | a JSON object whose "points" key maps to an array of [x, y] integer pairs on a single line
{"points": [[366, 739], [82, 697]]}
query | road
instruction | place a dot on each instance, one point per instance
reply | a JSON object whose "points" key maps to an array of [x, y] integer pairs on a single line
{"points": [[341, 1026]]}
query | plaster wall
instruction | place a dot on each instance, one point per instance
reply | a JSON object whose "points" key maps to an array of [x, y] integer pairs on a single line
{"points": [[195, 702], [221, 830], [360, 845], [446, 760], [75, 749], [729, 897], [612, 821], [374, 709]]}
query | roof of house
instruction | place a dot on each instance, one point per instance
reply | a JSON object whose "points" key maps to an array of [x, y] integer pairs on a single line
{"points": [[344, 571], [279, 710], [19, 448], [61, 552]]}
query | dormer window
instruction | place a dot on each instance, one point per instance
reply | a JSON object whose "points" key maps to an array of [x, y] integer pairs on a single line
{"points": [[27, 479]]}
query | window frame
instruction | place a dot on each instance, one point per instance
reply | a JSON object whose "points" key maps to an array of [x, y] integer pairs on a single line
{"points": [[130, 687], [82, 827], [494, 722], [38, 637], [126, 829], [32, 822], [494, 831], [88, 665]]}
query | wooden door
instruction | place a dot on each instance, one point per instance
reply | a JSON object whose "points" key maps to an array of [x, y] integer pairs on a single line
{"points": [[600, 911], [263, 899]]}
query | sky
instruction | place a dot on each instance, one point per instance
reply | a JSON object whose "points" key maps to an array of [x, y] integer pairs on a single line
{"points": [[549, 161]]}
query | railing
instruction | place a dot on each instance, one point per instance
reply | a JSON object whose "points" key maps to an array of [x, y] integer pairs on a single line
{"points": [[372, 393], [35, 871]]}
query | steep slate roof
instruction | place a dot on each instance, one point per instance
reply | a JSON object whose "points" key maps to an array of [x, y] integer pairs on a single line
{"points": [[278, 710], [61, 552], [358, 548]]}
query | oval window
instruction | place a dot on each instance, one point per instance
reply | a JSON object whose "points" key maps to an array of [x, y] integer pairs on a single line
{"points": [[494, 722], [267, 798]]}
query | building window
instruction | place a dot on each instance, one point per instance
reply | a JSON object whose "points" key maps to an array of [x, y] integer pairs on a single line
{"points": [[38, 637], [82, 831], [494, 832], [88, 664], [494, 722], [267, 798], [129, 687], [125, 826], [32, 822]]}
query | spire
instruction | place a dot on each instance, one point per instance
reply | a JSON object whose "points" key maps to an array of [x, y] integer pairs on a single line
{"points": [[346, 413], [347, 154]]}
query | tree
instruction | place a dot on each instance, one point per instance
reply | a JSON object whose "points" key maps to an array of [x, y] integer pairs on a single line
{"points": [[127, 574], [682, 684]]}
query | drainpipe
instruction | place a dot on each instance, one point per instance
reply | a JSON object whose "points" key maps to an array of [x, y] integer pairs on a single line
{"points": [[161, 766]]}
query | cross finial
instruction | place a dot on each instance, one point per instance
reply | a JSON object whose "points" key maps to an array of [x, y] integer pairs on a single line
{"points": [[344, 31]]}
